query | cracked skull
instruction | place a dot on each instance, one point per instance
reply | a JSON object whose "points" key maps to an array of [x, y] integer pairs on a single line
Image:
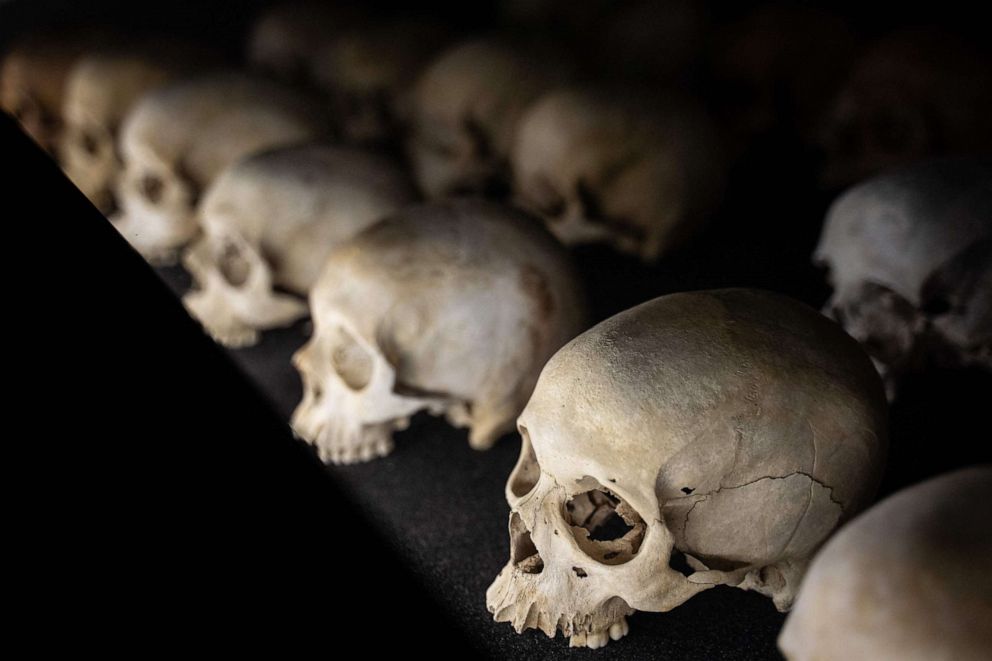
{"points": [[728, 430], [101, 88], [617, 167], [451, 307], [909, 579], [465, 108], [270, 221], [909, 255], [179, 137], [368, 74], [915, 94]]}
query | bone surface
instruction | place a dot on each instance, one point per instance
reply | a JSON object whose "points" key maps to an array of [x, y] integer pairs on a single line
{"points": [[910, 579], [734, 427], [271, 220], [100, 89], [451, 307], [179, 137], [465, 109], [909, 255], [617, 166]]}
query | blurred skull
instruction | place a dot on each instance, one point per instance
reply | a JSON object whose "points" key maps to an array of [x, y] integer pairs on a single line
{"points": [[608, 165], [909, 255], [466, 105], [369, 72], [179, 137], [915, 94]]}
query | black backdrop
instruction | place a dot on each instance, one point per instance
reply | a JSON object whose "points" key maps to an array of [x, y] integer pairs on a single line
{"points": [[162, 499]]}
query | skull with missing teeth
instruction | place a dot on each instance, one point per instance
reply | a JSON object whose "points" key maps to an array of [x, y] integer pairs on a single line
{"points": [[909, 255], [617, 167], [180, 137], [735, 427], [271, 220], [450, 307], [465, 108], [100, 90]]}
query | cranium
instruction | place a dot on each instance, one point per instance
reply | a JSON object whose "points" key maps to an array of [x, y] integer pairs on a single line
{"points": [[271, 220], [286, 37], [733, 427], [179, 137], [100, 89], [450, 307], [909, 579], [909, 255], [608, 166], [368, 73], [464, 111], [32, 79], [915, 94]]}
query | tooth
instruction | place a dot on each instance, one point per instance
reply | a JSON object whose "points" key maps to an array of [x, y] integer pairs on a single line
{"points": [[619, 630], [596, 640]]}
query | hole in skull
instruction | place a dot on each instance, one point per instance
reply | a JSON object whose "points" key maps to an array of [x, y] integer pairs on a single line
{"points": [[233, 265], [527, 471], [605, 527], [580, 572], [89, 143], [679, 563], [350, 360], [687, 490], [523, 553], [151, 187]]}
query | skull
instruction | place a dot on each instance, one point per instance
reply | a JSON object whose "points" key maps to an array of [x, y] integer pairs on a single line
{"points": [[368, 73], [285, 39], [100, 89], [909, 579], [32, 79], [179, 137], [604, 166], [915, 94], [464, 111], [909, 255], [271, 220], [728, 430], [450, 307], [779, 63]]}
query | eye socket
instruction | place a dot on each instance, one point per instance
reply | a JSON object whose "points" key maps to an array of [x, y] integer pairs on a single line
{"points": [[526, 473], [350, 359], [233, 265], [152, 188], [604, 526]]}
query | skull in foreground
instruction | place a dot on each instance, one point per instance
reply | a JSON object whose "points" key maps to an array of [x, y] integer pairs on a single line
{"points": [[450, 307], [735, 428], [909, 579], [909, 255], [270, 221], [179, 137], [617, 166]]}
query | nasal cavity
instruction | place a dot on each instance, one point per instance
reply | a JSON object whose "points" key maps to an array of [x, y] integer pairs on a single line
{"points": [[523, 553], [527, 472]]}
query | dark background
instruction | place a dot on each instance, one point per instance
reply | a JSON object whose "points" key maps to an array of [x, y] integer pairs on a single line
{"points": [[165, 502]]}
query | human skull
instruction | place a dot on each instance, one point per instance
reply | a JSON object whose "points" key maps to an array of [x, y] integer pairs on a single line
{"points": [[464, 111], [32, 79], [271, 220], [286, 37], [368, 74], [734, 427], [100, 89], [909, 579], [179, 137], [915, 94], [778, 64], [603, 165], [452, 307], [909, 255]]}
